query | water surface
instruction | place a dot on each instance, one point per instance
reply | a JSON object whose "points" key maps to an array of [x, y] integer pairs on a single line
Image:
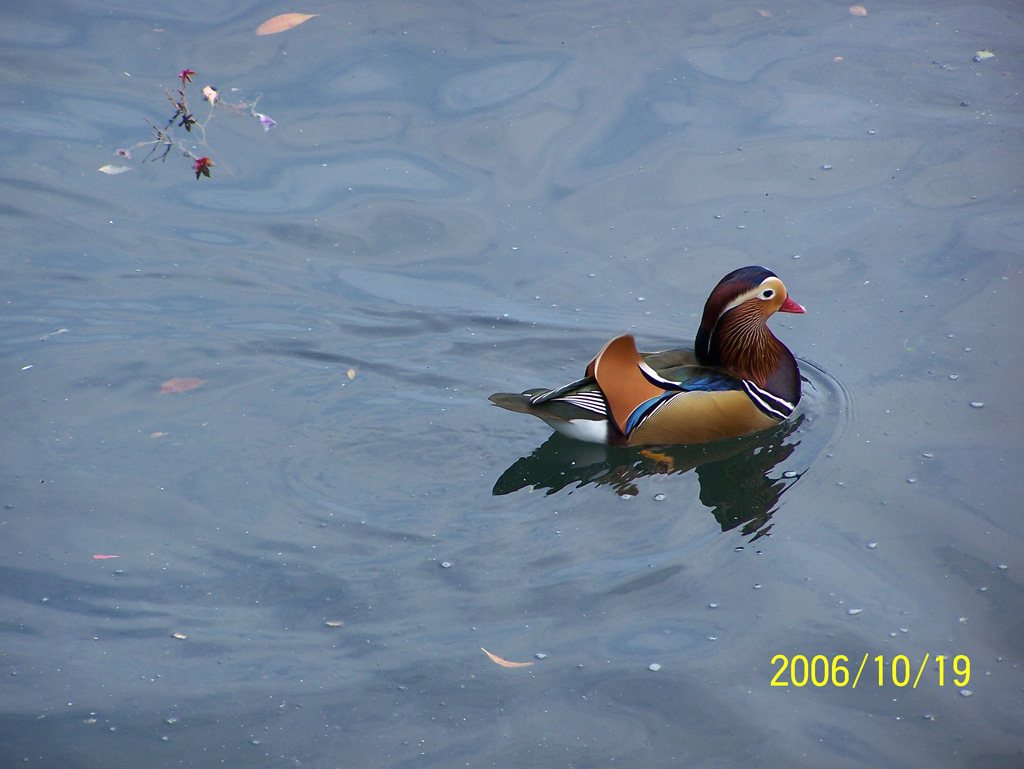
{"points": [[314, 545]]}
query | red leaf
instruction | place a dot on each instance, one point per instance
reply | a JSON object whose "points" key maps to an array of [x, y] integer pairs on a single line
{"points": [[202, 167], [181, 384]]}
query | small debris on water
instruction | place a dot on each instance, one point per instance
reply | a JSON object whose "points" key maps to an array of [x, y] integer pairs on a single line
{"points": [[977, 404], [982, 55], [872, 545], [654, 666], [854, 611]]}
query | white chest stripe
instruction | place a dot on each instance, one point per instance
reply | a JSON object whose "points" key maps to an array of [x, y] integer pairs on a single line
{"points": [[772, 405]]}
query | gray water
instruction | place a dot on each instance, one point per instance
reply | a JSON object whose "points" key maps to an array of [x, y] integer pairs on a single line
{"points": [[314, 544]]}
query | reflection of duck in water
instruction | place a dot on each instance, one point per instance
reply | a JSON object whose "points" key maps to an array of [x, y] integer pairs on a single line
{"points": [[738, 380], [739, 482]]}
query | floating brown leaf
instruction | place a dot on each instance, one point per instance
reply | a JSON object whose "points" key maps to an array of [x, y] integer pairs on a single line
{"points": [[181, 384], [858, 10], [283, 22], [504, 663]]}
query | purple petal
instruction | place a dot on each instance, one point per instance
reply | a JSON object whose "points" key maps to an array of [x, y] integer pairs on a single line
{"points": [[267, 122]]}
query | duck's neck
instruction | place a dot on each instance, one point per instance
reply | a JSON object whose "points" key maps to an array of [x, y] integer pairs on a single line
{"points": [[745, 347]]}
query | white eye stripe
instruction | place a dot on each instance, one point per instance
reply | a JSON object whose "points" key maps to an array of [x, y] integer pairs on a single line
{"points": [[740, 300], [757, 292]]}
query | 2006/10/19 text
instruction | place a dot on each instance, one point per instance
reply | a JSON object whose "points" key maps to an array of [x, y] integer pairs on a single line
{"points": [[819, 670]]}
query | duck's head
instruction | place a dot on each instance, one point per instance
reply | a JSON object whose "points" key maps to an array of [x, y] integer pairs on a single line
{"points": [[733, 332]]}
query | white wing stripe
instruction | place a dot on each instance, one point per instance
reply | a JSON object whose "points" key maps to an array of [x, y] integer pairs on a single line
{"points": [[591, 401]]}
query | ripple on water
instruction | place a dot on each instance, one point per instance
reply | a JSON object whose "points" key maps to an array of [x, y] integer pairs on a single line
{"points": [[496, 85]]}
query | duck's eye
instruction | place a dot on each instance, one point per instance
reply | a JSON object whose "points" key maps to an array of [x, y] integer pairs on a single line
{"points": [[768, 293]]}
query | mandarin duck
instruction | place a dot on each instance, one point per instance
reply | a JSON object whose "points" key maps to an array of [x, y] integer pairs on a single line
{"points": [[738, 379]]}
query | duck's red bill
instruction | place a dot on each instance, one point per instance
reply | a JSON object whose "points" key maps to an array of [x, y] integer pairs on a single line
{"points": [[790, 306]]}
